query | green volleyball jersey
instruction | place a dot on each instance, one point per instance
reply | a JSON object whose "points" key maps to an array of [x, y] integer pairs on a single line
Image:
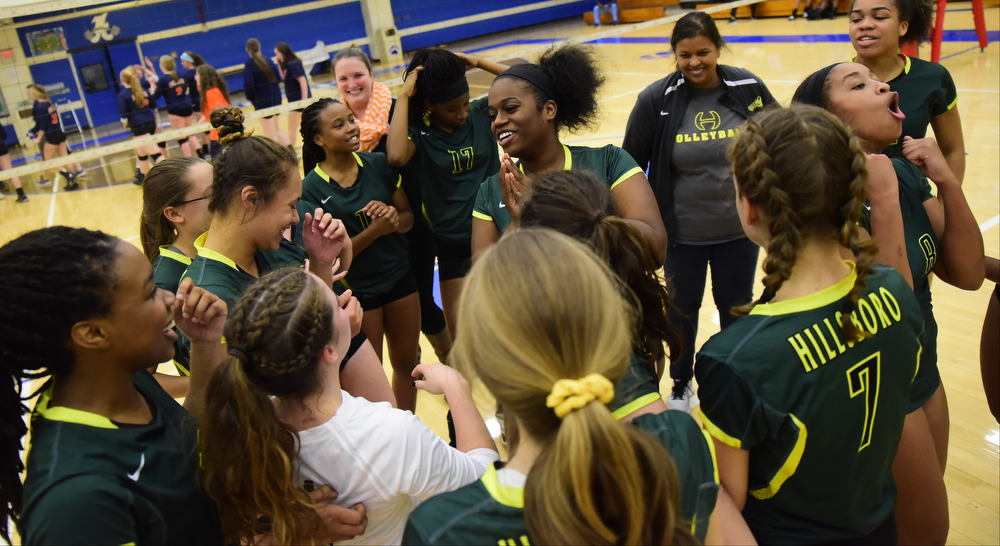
{"points": [[693, 453], [168, 268], [452, 166], [92, 481], [921, 253], [222, 277], [821, 433], [926, 90], [488, 513], [639, 386], [610, 164], [377, 268]]}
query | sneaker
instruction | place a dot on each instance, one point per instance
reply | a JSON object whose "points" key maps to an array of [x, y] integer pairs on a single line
{"points": [[71, 185], [44, 183], [3, 186], [22, 198], [732, 20], [680, 396], [139, 177]]}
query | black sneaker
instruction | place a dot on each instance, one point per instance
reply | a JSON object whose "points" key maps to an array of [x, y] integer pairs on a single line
{"points": [[139, 177], [3, 186], [44, 183], [21, 198]]}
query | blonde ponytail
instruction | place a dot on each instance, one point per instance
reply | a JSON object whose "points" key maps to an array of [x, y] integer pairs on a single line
{"points": [[597, 481], [132, 79]]}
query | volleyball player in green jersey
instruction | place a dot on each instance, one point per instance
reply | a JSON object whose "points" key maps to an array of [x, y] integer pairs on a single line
{"points": [[174, 214], [255, 190], [363, 190], [576, 475], [450, 139], [113, 459], [577, 204], [941, 235], [529, 104], [807, 395], [927, 93]]}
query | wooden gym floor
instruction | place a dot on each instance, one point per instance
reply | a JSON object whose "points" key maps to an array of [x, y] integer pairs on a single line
{"points": [[782, 53]]}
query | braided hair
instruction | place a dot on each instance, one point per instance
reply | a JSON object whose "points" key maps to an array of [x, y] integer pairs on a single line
{"points": [[312, 153], [55, 277], [442, 69], [277, 333], [577, 204], [807, 172], [245, 160]]}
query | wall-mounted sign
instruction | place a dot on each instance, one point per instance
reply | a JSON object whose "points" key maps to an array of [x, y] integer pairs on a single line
{"points": [[50, 40], [102, 30]]}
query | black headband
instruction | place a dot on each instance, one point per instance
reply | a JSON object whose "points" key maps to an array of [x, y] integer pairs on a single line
{"points": [[457, 88], [810, 91], [533, 75]]}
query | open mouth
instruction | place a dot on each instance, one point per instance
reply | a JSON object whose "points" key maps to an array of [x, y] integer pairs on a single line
{"points": [[894, 106], [169, 331], [866, 40], [353, 138], [504, 137]]}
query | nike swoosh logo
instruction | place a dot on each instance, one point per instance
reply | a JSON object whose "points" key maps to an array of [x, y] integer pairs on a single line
{"points": [[135, 475], [323, 201], [663, 112], [867, 206], [503, 205]]}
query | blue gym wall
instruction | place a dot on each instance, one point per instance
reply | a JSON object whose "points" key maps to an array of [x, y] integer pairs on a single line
{"points": [[225, 46]]}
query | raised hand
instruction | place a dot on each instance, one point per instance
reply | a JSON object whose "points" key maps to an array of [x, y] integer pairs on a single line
{"points": [[198, 313], [324, 237], [410, 84], [925, 154]]}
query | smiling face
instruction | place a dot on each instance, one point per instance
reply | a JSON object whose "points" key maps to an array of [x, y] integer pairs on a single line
{"points": [[141, 319], [450, 115], [354, 81], [517, 123], [875, 28], [336, 131], [697, 58], [859, 99], [266, 223]]}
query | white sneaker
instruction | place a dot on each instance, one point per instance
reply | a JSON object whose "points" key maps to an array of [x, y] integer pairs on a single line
{"points": [[682, 397]]}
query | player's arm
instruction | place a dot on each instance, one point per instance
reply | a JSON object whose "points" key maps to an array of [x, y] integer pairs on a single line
{"points": [[399, 149], [961, 262], [472, 61], [402, 206], [635, 202], [886, 216], [726, 524], [948, 133], [484, 235], [303, 86], [734, 472]]}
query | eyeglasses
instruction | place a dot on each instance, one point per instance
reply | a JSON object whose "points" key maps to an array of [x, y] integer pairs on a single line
{"points": [[190, 201]]}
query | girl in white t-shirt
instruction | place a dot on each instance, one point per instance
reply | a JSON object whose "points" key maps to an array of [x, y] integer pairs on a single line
{"points": [[276, 419]]}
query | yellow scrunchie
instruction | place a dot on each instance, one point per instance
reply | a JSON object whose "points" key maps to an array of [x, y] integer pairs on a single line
{"points": [[571, 394]]}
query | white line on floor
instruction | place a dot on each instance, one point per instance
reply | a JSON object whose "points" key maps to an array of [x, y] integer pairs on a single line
{"points": [[989, 223], [52, 203]]}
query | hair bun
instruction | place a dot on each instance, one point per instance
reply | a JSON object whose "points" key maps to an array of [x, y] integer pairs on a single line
{"points": [[229, 123]]}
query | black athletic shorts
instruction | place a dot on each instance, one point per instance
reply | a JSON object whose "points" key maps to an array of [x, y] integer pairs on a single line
{"points": [[55, 138], [3, 148], [185, 112], [406, 286], [148, 128], [454, 259], [356, 343]]}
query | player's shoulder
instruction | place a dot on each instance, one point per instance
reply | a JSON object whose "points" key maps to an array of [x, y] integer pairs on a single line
{"points": [[734, 337], [925, 68], [376, 159]]}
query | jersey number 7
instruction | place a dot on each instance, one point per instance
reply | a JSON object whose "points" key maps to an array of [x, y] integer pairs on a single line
{"points": [[863, 378]]}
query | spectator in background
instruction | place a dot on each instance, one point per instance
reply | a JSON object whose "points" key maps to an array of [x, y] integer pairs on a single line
{"points": [[610, 7], [260, 85], [296, 85]]}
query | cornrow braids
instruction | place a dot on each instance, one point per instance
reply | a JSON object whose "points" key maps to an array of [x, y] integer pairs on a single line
{"points": [[312, 153], [55, 277], [442, 69], [245, 161], [807, 172], [281, 326]]}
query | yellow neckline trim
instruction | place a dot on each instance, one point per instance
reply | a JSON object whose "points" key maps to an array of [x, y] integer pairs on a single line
{"points": [[326, 177], [635, 405], [815, 300], [199, 245], [175, 256], [567, 163], [906, 67], [507, 496], [69, 415]]}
